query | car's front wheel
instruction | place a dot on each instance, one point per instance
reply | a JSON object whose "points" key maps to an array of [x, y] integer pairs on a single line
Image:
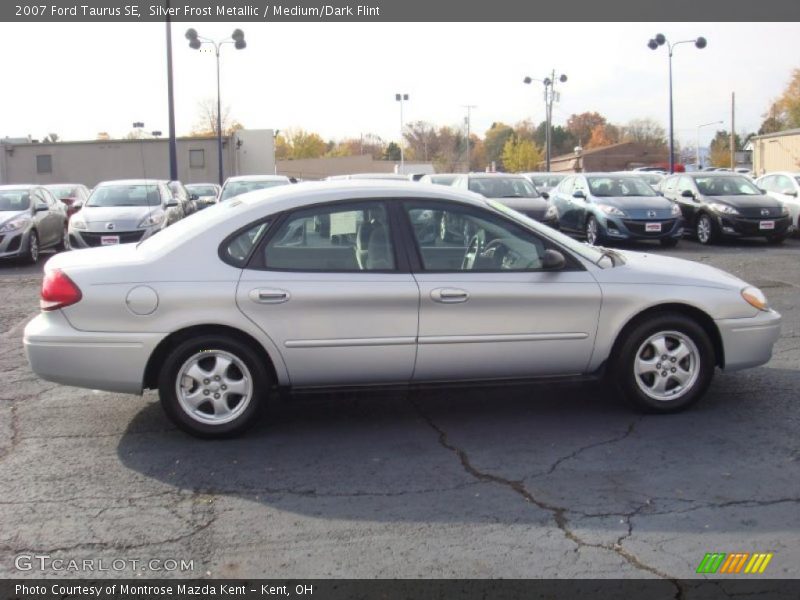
{"points": [[592, 231], [32, 251], [213, 386], [664, 363], [705, 230]]}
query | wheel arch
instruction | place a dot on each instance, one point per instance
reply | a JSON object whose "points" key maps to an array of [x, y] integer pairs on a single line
{"points": [[699, 316], [151, 372]]}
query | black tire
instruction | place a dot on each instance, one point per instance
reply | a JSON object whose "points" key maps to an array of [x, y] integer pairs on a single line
{"points": [[669, 242], [591, 239], [705, 234], [776, 240], [33, 249], [185, 351], [634, 343]]}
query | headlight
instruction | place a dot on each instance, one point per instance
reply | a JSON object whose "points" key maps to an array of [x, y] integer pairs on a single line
{"points": [[784, 210], [16, 224], [77, 223], [723, 208], [676, 210], [755, 298], [151, 220], [611, 210], [551, 212]]}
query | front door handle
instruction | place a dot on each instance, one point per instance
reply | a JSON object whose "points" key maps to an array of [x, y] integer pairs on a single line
{"points": [[449, 295], [269, 296]]}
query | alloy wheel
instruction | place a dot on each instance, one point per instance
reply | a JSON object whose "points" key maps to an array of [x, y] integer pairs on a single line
{"points": [[704, 229], [214, 387], [667, 365], [591, 231]]}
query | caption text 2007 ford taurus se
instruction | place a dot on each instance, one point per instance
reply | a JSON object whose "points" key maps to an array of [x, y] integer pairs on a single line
{"points": [[339, 284]]}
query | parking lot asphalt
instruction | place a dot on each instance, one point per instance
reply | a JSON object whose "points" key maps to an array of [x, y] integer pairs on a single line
{"points": [[522, 481]]}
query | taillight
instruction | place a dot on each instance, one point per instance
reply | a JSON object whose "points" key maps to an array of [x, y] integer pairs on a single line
{"points": [[58, 291]]}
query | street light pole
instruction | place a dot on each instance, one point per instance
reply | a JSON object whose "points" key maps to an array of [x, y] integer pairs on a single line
{"points": [[173, 145], [549, 98], [697, 148], [195, 41], [401, 98], [653, 44]]}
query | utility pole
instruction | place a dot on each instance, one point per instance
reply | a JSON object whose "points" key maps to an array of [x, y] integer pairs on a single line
{"points": [[733, 130], [173, 145], [469, 108]]}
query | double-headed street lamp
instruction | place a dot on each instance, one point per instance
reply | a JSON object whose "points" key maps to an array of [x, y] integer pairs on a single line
{"points": [[653, 44], [195, 41], [401, 98], [697, 148], [549, 98]]}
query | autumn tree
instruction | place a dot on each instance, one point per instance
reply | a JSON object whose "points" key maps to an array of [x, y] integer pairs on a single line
{"points": [[368, 145], [603, 135], [206, 123], [645, 131], [785, 111], [581, 126], [720, 148], [495, 140], [304, 144], [520, 155]]}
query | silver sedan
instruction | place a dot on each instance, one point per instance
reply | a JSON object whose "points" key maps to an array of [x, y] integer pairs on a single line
{"points": [[249, 296]]}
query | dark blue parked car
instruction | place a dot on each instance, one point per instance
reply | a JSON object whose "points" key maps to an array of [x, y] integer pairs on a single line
{"points": [[607, 206]]}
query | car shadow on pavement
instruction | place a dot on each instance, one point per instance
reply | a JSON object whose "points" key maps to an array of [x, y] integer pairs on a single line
{"points": [[504, 454]]}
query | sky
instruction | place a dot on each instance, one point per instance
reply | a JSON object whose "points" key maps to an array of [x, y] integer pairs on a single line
{"points": [[340, 79]]}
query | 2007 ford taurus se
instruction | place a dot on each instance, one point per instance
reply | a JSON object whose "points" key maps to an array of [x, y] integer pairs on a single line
{"points": [[251, 295]]}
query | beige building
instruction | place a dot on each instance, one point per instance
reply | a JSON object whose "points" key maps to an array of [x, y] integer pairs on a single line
{"points": [[776, 151], [245, 153]]}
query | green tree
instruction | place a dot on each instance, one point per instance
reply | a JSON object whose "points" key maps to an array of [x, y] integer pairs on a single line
{"points": [[303, 144], [720, 148], [392, 152], [520, 155], [494, 142]]}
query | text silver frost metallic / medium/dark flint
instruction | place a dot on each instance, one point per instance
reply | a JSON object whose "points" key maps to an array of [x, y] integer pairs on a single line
{"points": [[251, 294]]}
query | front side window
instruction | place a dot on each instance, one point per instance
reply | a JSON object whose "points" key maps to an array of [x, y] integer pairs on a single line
{"points": [[783, 185], [471, 239], [684, 184], [617, 187], [340, 238], [727, 185]]}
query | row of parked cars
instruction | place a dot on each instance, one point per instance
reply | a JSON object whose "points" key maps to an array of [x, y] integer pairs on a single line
{"points": [[34, 218]]}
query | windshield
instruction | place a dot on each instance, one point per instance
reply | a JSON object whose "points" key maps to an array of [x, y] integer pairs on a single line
{"points": [[14, 200], [590, 253], [443, 179], [727, 185], [64, 192], [616, 187], [503, 187], [234, 188], [651, 178], [548, 181], [125, 195], [202, 190]]}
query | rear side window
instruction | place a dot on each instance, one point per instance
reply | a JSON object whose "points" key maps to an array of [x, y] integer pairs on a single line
{"points": [[238, 249]]}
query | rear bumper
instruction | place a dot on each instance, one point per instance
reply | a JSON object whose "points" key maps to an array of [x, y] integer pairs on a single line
{"points": [[748, 342], [114, 362]]}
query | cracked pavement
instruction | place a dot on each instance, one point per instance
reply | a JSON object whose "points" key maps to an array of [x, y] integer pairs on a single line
{"points": [[514, 482]]}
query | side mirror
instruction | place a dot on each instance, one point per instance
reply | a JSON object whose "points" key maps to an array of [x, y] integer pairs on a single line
{"points": [[545, 195], [579, 194], [687, 194], [553, 260], [41, 208], [172, 203], [792, 193]]}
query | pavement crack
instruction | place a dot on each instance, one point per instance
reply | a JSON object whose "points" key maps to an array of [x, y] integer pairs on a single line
{"points": [[558, 513], [14, 438]]}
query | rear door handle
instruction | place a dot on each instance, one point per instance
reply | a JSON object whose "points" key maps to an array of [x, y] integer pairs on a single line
{"points": [[449, 295], [269, 296]]}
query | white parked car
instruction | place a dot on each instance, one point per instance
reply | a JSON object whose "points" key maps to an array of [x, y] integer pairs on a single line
{"points": [[784, 186], [242, 184], [215, 312]]}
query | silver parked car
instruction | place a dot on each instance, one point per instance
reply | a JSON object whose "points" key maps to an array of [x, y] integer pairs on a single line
{"points": [[206, 193], [241, 184], [216, 312], [31, 220], [119, 212]]}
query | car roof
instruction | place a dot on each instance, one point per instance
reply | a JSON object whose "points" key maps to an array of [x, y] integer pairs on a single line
{"points": [[257, 178], [495, 175], [199, 183], [49, 185], [130, 182]]}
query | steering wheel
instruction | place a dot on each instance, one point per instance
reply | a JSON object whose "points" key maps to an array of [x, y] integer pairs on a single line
{"points": [[474, 249], [497, 251]]}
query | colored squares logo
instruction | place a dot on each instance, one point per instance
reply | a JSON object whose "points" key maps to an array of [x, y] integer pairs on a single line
{"points": [[735, 563]]}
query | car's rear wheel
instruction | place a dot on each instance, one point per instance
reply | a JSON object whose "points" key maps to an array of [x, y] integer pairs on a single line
{"points": [[213, 386], [32, 251], [664, 363], [705, 229]]}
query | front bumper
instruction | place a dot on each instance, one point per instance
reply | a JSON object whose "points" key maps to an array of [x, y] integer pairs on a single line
{"points": [[623, 228], [733, 226], [82, 238], [114, 362], [748, 342], [14, 244]]}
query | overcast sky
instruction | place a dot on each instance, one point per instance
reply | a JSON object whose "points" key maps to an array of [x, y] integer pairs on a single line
{"points": [[340, 79]]}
